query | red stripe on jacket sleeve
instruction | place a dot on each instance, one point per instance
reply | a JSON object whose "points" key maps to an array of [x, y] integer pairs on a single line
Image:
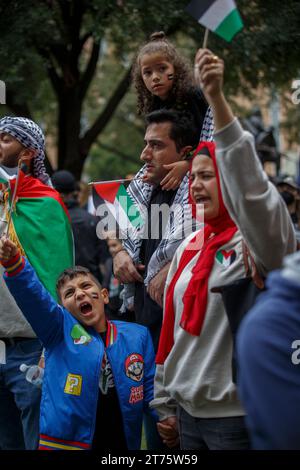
{"points": [[13, 266]]}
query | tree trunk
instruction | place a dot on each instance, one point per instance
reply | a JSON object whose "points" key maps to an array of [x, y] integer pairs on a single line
{"points": [[69, 156]]}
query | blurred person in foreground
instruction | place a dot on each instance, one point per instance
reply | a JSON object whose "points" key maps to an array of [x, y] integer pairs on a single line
{"points": [[269, 360]]}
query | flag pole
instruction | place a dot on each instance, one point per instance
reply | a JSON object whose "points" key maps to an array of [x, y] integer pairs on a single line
{"points": [[205, 40], [113, 181], [13, 200]]}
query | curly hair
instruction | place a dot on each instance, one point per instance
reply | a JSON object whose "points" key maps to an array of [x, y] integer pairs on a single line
{"points": [[183, 76]]}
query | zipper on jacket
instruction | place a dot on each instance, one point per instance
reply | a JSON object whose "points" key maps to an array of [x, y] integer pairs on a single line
{"points": [[124, 428], [99, 340]]}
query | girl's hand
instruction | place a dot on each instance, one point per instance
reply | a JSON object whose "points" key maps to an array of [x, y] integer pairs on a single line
{"points": [[8, 249], [209, 73], [175, 175]]}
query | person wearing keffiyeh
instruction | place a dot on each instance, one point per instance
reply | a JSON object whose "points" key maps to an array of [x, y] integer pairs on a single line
{"points": [[169, 136], [141, 193], [31, 137], [194, 393], [38, 222]]}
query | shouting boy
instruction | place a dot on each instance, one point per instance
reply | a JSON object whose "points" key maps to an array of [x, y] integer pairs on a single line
{"points": [[99, 374]]}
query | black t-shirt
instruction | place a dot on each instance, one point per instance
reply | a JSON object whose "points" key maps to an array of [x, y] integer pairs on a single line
{"points": [[148, 312], [109, 429], [193, 104]]}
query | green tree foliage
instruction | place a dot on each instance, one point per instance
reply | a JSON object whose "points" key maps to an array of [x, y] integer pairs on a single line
{"points": [[66, 63]]}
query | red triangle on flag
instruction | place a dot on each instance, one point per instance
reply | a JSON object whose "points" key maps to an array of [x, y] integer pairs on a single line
{"points": [[107, 191]]}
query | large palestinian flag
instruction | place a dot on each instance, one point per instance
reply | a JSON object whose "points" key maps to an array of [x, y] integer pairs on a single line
{"points": [[113, 202], [219, 16], [40, 226]]}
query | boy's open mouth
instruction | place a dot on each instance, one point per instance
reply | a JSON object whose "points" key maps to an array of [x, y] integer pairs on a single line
{"points": [[85, 308]]}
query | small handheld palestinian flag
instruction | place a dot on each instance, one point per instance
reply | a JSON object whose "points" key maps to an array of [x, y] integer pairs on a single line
{"points": [[40, 226], [4, 177], [115, 208], [219, 16]]}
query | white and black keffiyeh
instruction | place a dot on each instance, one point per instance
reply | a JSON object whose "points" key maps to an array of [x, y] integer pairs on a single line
{"points": [[31, 136], [141, 193]]}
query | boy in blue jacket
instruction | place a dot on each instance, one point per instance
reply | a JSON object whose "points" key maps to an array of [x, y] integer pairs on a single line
{"points": [[99, 374]]}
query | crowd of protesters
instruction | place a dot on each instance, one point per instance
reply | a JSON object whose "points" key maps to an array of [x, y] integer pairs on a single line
{"points": [[139, 334]]}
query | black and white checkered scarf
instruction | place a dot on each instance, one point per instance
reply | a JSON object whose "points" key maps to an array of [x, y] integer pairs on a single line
{"points": [[141, 193], [31, 136]]}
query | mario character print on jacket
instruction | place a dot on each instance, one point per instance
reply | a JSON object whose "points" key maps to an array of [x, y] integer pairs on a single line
{"points": [[134, 367], [226, 258], [79, 335]]}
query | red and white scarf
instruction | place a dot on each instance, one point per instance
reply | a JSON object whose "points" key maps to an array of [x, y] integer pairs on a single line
{"points": [[217, 232]]}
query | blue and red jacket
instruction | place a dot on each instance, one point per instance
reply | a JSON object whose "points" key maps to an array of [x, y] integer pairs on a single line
{"points": [[73, 363]]}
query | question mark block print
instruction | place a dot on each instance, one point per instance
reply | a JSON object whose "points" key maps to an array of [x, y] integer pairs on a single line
{"points": [[73, 384]]}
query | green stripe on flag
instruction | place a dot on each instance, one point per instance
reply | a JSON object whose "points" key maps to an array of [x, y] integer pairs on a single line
{"points": [[129, 207], [230, 26], [4, 177], [44, 232]]}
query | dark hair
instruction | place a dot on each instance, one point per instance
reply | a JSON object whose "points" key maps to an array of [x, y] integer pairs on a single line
{"points": [[288, 197], [64, 181], [183, 130], [71, 273], [183, 76]]}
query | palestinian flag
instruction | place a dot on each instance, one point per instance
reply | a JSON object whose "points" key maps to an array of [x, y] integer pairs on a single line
{"points": [[4, 177], [113, 203], [40, 227], [219, 16]]}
